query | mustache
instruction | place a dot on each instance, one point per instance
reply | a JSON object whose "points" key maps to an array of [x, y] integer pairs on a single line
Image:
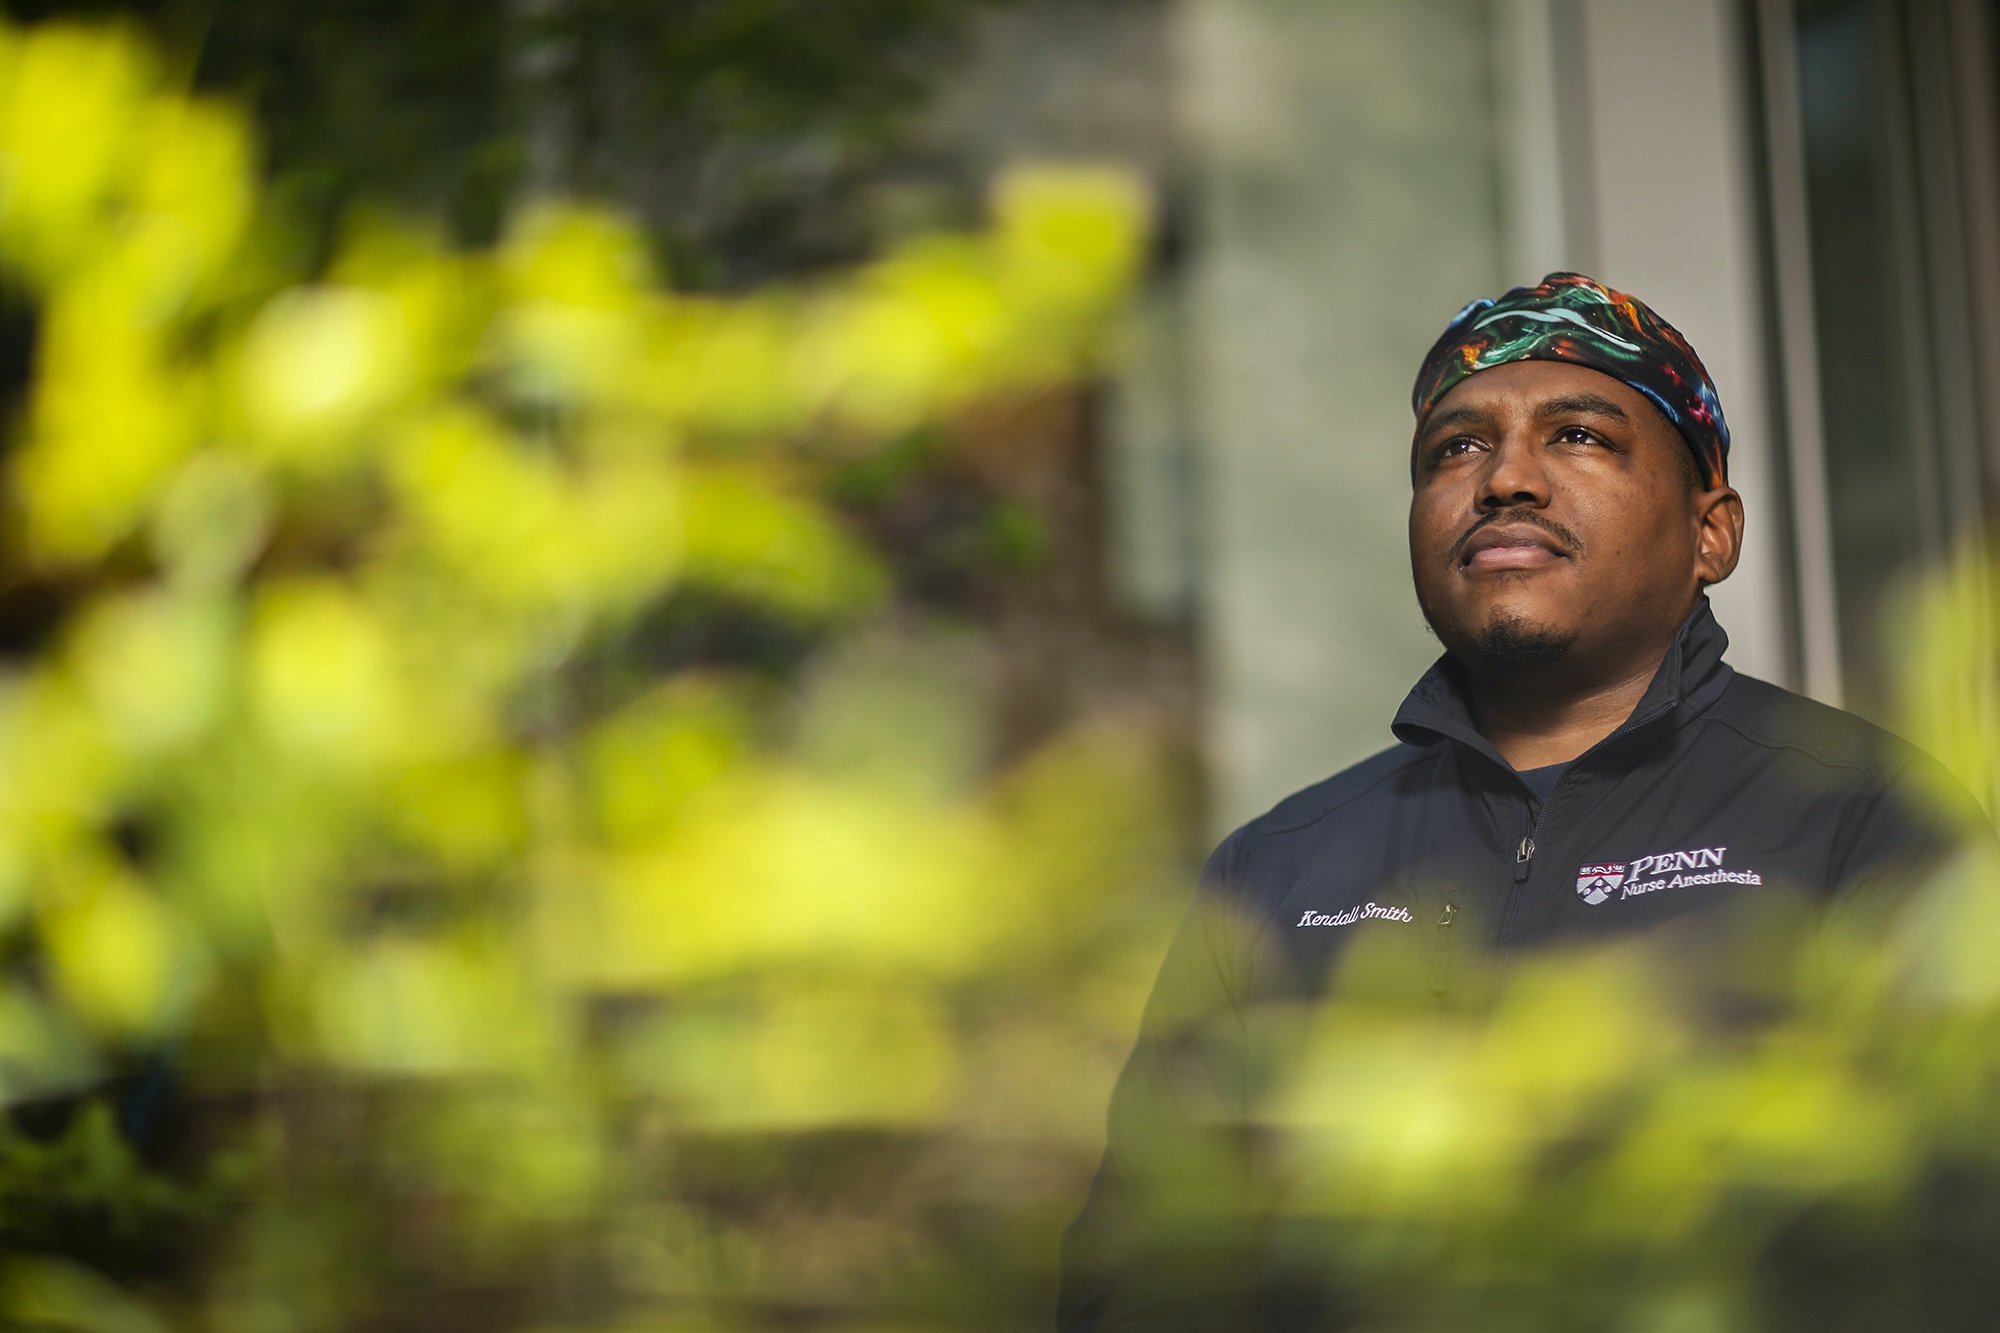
{"points": [[1570, 540]]}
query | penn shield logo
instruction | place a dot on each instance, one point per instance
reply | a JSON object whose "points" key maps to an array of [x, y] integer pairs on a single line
{"points": [[1596, 883]]}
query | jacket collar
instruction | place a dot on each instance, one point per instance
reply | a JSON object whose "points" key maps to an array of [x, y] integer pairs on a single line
{"points": [[1691, 677]]}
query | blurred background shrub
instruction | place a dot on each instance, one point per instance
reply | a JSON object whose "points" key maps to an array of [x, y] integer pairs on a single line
{"points": [[739, 128], [516, 812], [1779, 1123]]}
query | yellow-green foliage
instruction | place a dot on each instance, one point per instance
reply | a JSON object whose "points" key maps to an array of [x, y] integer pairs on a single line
{"points": [[1947, 672], [1630, 1137], [476, 947]]}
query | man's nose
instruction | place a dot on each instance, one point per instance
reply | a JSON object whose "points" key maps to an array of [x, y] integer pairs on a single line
{"points": [[1515, 475]]}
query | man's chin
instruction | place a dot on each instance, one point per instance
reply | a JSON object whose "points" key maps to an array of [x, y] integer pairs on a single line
{"points": [[1509, 646], [1508, 642]]}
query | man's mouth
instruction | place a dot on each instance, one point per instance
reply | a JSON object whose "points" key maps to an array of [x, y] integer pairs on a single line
{"points": [[1510, 546]]}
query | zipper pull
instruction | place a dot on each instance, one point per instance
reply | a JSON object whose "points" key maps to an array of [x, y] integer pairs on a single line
{"points": [[1441, 963], [1523, 856]]}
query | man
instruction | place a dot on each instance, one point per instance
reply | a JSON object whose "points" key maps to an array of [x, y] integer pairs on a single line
{"points": [[1580, 762]]}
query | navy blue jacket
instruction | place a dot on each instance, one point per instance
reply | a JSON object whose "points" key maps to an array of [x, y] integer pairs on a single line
{"points": [[1717, 788]]}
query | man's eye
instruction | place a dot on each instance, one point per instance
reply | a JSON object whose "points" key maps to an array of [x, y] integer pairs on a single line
{"points": [[1464, 444], [1575, 435]]}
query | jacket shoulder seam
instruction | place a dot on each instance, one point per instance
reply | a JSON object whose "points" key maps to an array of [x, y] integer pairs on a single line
{"points": [[1256, 830], [1881, 773]]}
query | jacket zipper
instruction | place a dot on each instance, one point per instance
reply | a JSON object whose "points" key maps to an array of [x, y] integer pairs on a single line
{"points": [[1441, 964], [1524, 851], [1524, 855]]}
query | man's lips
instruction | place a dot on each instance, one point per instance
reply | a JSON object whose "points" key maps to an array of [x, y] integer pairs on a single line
{"points": [[1510, 546]]}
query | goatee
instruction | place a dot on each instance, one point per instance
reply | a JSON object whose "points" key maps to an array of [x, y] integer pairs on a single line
{"points": [[1509, 645]]}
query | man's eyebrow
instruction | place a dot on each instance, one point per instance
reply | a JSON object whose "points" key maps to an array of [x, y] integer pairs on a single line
{"points": [[1574, 403], [1456, 416]]}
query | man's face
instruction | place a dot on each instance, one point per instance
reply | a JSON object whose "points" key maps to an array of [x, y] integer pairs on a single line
{"points": [[1556, 519]]}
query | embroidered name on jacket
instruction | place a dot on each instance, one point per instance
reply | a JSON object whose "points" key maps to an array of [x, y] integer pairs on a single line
{"points": [[1670, 870], [1365, 912]]}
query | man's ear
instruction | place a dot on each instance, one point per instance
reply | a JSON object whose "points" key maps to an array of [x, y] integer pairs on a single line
{"points": [[1718, 534]]}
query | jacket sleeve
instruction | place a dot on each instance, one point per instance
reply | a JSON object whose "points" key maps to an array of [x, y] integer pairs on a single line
{"points": [[1919, 821], [1909, 854], [1165, 1240]]}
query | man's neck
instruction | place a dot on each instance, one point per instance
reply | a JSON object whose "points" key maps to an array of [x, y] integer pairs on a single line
{"points": [[1540, 718]]}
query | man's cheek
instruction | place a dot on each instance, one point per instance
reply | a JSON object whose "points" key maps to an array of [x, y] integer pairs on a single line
{"points": [[1428, 542]]}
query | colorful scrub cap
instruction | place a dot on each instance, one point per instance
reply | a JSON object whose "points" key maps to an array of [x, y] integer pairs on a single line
{"points": [[1571, 318]]}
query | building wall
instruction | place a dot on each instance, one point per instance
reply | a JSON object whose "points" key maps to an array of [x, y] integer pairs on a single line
{"points": [[1346, 206], [1671, 141]]}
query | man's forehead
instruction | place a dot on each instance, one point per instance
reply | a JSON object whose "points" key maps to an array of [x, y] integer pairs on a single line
{"points": [[1539, 387]]}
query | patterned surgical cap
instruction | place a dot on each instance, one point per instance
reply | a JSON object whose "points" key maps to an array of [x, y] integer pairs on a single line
{"points": [[1568, 317]]}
